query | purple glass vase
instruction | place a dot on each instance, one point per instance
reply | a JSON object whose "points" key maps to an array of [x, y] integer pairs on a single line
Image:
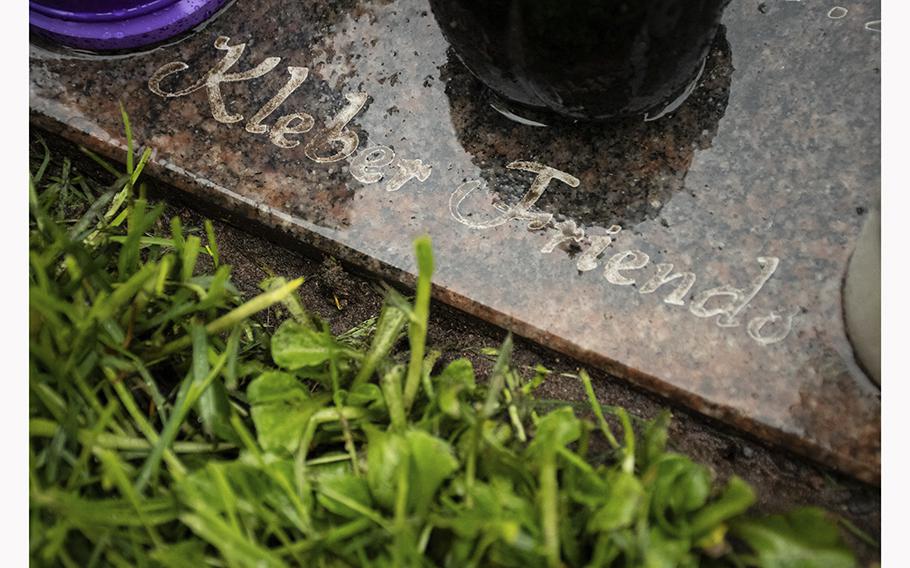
{"points": [[106, 25]]}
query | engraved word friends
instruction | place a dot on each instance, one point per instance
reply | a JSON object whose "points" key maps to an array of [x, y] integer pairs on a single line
{"points": [[726, 303]]}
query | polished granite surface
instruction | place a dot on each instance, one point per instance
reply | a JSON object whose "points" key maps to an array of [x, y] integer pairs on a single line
{"points": [[699, 255]]}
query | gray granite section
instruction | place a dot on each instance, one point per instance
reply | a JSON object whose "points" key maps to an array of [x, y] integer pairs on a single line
{"points": [[756, 187]]}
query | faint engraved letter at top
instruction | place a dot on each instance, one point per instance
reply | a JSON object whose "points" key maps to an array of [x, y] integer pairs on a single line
{"points": [[213, 79], [521, 210]]}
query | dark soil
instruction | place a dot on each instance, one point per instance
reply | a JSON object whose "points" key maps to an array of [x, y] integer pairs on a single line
{"points": [[345, 299]]}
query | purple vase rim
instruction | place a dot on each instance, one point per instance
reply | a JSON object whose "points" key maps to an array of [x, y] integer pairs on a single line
{"points": [[78, 13], [110, 25]]}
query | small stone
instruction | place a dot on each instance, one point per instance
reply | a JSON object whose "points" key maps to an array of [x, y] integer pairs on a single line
{"points": [[763, 8]]}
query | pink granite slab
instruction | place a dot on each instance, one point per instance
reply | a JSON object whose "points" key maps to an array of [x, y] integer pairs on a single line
{"points": [[754, 190]]}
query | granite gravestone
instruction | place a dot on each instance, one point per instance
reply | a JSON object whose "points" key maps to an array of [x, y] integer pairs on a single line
{"points": [[699, 254]]}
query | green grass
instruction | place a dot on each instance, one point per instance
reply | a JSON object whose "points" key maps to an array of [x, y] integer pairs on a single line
{"points": [[168, 428]]}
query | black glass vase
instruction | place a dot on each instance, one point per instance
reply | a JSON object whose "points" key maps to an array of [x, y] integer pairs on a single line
{"points": [[583, 59]]}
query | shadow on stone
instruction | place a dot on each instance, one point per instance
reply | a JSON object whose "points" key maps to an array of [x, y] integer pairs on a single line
{"points": [[628, 169]]}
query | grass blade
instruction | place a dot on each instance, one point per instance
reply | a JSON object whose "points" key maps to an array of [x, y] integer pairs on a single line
{"points": [[388, 328], [237, 315], [417, 328]]}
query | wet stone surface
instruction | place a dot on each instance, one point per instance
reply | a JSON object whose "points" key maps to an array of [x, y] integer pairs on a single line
{"points": [[699, 255]]}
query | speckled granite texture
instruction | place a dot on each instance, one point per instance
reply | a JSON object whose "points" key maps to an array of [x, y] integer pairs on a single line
{"points": [[368, 132]]}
